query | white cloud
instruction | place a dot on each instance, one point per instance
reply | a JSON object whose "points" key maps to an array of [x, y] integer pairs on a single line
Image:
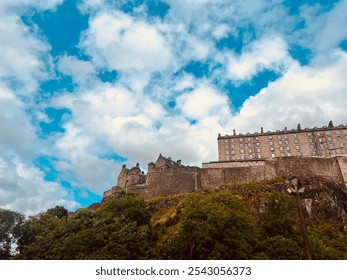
{"points": [[20, 53], [201, 102], [267, 53], [117, 41], [24, 189], [22, 185], [80, 70], [311, 95], [333, 28]]}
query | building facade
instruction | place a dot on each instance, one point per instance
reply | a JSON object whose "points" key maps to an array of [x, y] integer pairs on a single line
{"points": [[329, 141]]}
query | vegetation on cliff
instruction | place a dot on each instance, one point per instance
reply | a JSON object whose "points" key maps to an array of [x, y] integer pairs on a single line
{"points": [[256, 220]]}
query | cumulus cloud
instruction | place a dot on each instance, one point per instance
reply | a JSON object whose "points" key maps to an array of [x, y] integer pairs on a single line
{"points": [[22, 185], [311, 95], [267, 53], [80, 70], [323, 31], [201, 102], [20, 52], [117, 41]]}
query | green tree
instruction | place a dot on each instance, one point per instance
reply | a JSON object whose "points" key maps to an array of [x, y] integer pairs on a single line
{"points": [[214, 226], [11, 223], [58, 212], [119, 229]]}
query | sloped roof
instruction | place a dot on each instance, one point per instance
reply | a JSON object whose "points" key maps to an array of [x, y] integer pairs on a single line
{"points": [[168, 161]]}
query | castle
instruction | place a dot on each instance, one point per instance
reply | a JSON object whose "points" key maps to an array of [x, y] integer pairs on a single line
{"points": [[246, 157]]}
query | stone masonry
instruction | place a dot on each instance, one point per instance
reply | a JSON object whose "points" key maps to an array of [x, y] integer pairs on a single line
{"points": [[245, 157]]}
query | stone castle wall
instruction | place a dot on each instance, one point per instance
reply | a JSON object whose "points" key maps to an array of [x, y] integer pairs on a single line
{"points": [[170, 178]]}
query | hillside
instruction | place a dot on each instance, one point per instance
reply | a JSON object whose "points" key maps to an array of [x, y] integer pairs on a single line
{"points": [[257, 220]]}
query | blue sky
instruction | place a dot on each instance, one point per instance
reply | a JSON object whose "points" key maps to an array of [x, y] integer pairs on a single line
{"points": [[87, 86]]}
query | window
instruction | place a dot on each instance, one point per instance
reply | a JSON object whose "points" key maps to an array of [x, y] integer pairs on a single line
{"points": [[323, 152], [227, 158], [280, 142], [287, 142], [337, 132], [330, 139], [270, 137], [232, 146], [226, 141], [257, 138], [341, 145], [249, 145], [258, 144], [226, 147], [288, 154], [288, 148], [309, 134], [282, 154], [279, 136], [343, 151], [233, 152], [310, 140], [271, 143], [233, 157], [249, 139], [226, 152], [232, 140], [250, 156], [250, 151], [259, 156], [242, 157], [297, 147], [331, 145], [298, 153], [286, 136], [333, 152], [241, 139], [296, 141], [314, 153], [241, 151], [272, 149], [281, 148], [295, 135], [241, 145], [258, 150], [322, 146], [272, 155]]}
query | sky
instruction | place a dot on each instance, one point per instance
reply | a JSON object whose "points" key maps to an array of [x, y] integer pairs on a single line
{"points": [[89, 85]]}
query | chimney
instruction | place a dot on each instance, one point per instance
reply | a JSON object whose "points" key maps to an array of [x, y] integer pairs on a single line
{"points": [[234, 132], [261, 130], [137, 164], [299, 127], [331, 124], [285, 129], [124, 166], [179, 162]]}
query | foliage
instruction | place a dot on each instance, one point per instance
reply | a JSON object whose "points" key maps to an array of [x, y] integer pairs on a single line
{"points": [[229, 224], [58, 212], [119, 229], [214, 226], [10, 230]]}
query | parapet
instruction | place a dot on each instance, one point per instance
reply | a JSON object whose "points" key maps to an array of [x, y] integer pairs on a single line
{"points": [[284, 131]]}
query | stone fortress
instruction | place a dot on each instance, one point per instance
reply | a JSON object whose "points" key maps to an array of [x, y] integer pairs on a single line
{"points": [[246, 157]]}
